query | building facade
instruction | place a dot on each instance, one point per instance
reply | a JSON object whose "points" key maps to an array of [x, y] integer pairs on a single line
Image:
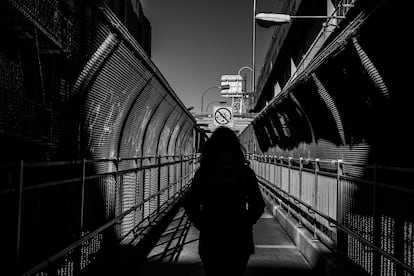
{"points": [[131, 14], [49, 44]]}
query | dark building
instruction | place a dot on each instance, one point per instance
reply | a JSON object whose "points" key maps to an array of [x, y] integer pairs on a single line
{"points": [[48, 45], [132, 16]]}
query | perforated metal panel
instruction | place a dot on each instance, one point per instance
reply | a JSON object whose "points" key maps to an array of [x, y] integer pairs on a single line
{"points": [[138, 119], [109, 101], [187, 142], [167, 131], [128, 113], [155, 127], [181, 136], [174, 135]]}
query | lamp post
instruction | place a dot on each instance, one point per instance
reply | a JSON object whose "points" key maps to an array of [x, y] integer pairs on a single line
{"points": [[208, 89], [219, 102], [270, 19], [254, 46]]}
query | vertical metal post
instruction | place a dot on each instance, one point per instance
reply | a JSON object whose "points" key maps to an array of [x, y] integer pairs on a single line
{"points": [[186, 166], [268, 167], [275, 201], [281, 178], [281, 172], [339, 173], [158, 160], [274, 170], [168, 179], [143, 188], [300, 189], [376, 226], [118, 192], [315, 199], [181, 173], [315, 202], [78, 251], [136, 199], [256, 164], [174, 188], [289, 185], [82, 198], [341, 242], [19, 210], [254, 47], [193, 164], [264, 166]]}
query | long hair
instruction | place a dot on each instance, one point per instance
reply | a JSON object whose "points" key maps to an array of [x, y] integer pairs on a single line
{"points": [[223, 139]]}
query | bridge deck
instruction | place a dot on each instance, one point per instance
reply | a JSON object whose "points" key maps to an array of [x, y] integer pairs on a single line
{"points": [[176, 251]]}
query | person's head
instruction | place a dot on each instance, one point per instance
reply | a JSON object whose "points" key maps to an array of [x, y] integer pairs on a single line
{"points": [[223, 145]]}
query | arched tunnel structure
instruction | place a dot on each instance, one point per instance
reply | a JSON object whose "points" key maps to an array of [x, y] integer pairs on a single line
{"points": [[117, 149], [340, 127], [128, 141]]}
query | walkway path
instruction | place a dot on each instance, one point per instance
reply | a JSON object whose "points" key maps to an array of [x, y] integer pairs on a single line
{"points": [[176, 251]]}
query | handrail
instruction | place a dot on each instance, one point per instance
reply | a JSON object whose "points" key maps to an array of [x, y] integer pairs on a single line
{"points": [[176, 171], [100, 229], [75, 162], [93, 176], [341, 227], [179, 190], [290, 200], [336, 161]]}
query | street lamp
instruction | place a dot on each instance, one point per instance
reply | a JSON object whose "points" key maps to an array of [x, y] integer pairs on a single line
{"points": [[238, 73], [270, 19], [244, 67], [223, 87], [221, 102]]}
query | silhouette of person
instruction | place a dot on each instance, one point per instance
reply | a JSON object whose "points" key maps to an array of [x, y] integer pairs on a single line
{"points": [[223, 203]]}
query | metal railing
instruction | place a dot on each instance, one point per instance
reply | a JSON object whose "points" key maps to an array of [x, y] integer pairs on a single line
{"points": [[361, 212], [61, 216]]}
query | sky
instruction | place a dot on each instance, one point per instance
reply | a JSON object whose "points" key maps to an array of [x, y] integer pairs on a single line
{"points": [[195, 42]]}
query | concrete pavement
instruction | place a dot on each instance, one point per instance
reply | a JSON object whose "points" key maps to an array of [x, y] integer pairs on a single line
{"points": [[176, 251]]}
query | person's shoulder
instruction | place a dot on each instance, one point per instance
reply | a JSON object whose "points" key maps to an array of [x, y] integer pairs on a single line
{"points": [[249, 170], [200, 172]]}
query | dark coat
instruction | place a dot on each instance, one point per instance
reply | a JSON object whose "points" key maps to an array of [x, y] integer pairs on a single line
{"points": [[224, 203]]}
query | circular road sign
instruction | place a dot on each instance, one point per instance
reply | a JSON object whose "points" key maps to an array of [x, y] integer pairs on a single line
{"points": [[223, 116]]}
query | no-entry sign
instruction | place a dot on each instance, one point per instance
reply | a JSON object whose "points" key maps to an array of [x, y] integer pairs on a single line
{"points": [[223, 116]]}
